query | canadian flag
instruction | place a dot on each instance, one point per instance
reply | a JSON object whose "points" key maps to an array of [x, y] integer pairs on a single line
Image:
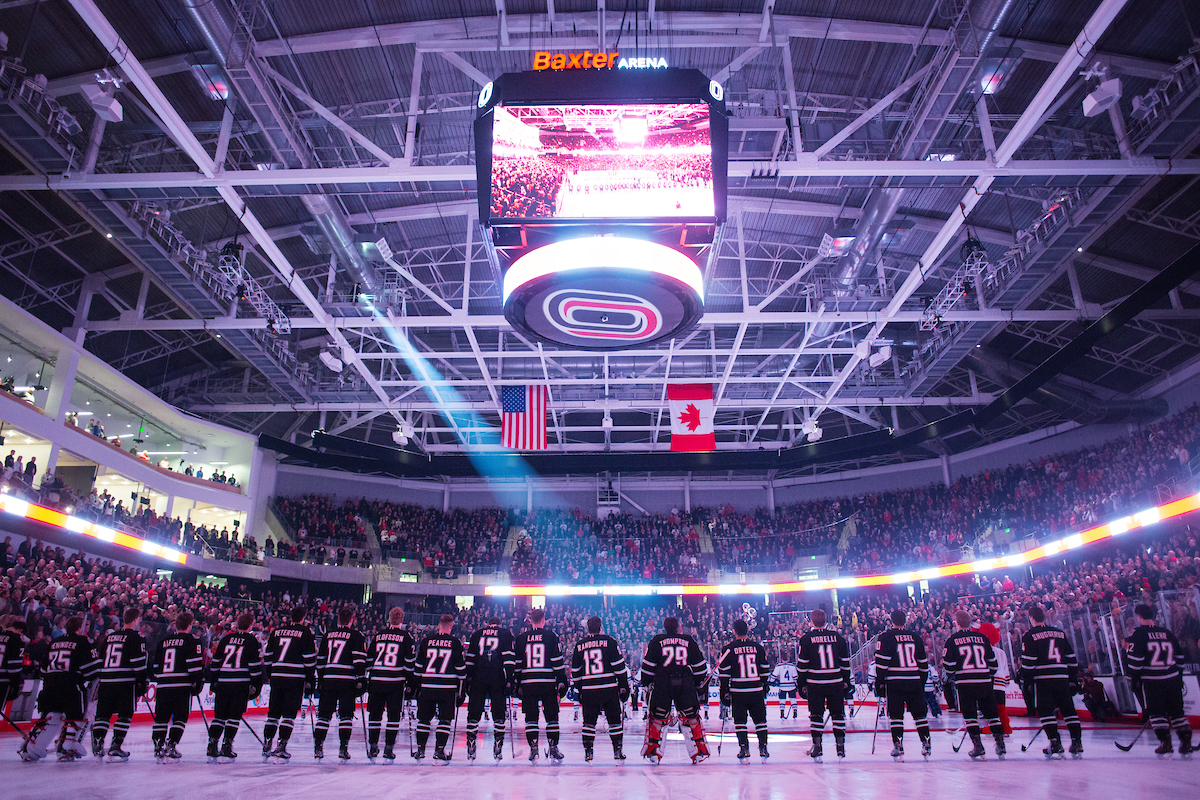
{"points": [[691, 417]]}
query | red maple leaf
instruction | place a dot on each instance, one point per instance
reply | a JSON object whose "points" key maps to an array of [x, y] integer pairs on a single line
{"points": [[690, 417]]}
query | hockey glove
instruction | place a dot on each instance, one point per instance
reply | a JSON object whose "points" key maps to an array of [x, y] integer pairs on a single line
{"points": [[849, 689], [197, 688], [255, 690], [308, 689], [360, 687], [880, 689], [1136, 684], [140, 688], [726, 699], [623, 692], [803, 689], [562, 690]]}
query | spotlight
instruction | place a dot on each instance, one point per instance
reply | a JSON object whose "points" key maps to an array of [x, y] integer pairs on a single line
{"points": [[880, 356], [815, 435], [607, 422], [399, 438], [330, 360], [107, 107]]}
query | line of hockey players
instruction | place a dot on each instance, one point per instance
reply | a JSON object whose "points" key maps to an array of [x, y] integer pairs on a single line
{"points": [[440, 674]]}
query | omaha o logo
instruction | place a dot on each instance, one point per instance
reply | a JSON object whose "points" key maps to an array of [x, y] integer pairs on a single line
{"points": [[602, 315]]}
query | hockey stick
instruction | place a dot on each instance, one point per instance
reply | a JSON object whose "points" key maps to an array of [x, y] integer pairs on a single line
{"points": [[878, 711], [203, 718], [721, 738], [1125, 748], [27, 737], [957, 747], [256, 736], [512, 735], [1038, 733], [362, 715]]}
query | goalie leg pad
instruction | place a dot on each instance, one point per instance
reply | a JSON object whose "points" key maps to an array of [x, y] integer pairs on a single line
{"points": [[654, 727], [696, 744]]}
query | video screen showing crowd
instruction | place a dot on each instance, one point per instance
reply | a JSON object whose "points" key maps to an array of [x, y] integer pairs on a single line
{"points": [[440, 674]]}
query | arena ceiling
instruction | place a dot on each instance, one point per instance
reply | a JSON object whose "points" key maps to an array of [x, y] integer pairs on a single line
{"points": [[347, 123]]}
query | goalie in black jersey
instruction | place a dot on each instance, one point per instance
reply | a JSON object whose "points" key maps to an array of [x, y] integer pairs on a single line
{"points": [[393, 658], [541, 680], [675, 670], [1048, 659], [970, 662], [290, 664], [70, 664], [823, 664], [342, 668], [123, 679], [1153, 656], [598, 672], [178, 676], [901, 668], [12, 650], [744, 675], [491, 663]]}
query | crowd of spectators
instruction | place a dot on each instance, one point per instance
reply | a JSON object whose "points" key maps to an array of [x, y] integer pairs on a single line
{"points": [[566, 545]]}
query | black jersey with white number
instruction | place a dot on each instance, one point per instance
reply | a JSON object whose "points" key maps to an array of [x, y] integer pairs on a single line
{"points": [[901, 658], [122, 657], [671, 656], [597, 663], [70, 663], [393, 654], [822, 658], [291, 654], [743, 668], [539, 660], [491, 657], [440, 663], [970, 659], [1047, 655], [12, 650], [178, 662], [342, 659], [237, 661], [1152, 654]]}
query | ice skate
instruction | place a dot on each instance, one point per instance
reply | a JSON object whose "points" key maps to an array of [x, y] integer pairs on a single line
{"points": [[372, 752], [816, 752], [926, 748], [171, 754], [318, 750], [1001, 750], [618, 754], [281, 752], [898, 752], [344, 753], [472, 747], [763, 753], [1055, 750], [554, 754], [498, 750], [977, 752], [588, 752], [1076, 749], [214, 751], [98, 747], [1185, 746], [533, 754], [419, 754], [116, 755], [389, 755], [266, 751], [440, 755], [1164, 749], [841, 748], [227, 755], [743, 753]]}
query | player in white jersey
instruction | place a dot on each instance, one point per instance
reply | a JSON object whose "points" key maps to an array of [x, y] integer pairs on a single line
{"points": [[784, 676]]}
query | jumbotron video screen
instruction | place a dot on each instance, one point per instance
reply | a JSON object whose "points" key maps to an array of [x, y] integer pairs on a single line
{"points": [[602, 162]]}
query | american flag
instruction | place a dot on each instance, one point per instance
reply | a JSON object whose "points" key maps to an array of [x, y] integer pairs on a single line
{"points": [[523, 417]]}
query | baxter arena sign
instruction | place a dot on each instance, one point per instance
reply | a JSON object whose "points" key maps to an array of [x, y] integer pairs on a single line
{"points": [[589, 60]]}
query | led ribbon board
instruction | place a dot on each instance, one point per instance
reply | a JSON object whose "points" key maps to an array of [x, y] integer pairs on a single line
{"points": [[1117, 527], [21, 508], [603, 292]]}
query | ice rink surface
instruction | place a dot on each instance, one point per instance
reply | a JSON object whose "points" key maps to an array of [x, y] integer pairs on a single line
{"points": [[1103, 772]]}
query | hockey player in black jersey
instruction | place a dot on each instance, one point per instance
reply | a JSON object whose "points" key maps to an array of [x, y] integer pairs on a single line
{"points": [[1152, 655], [744, 676], [675, 670], [12, 651], [491, 663], [1048, 659], [123, 679], [71, 663], [598, 672], [392, 656], [541, 680], [236, 678], [901, 668], [970, 662], [823, 664], [289, 663], [342, 668], [438, 681], [178, 675]]}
